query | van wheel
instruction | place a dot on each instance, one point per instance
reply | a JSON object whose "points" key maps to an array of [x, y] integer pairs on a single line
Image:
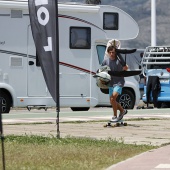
{"points": [[126, 99], [159, 105], [80, 108], [5, 102]]}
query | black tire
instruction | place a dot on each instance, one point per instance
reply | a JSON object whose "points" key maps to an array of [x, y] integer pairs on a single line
{"points": [[80, 108], [5, 102], [159, 105], [126, 99]]}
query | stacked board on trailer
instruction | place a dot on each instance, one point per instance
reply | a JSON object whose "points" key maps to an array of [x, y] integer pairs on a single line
{"points": [[84, 31]]}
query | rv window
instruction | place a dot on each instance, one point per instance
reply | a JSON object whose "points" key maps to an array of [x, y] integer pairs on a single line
{"points": [[110, 21], [101, 52], [80, 37], [16, 13]]}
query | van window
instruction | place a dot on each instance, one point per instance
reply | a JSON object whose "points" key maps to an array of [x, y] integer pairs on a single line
{"points": [[80, 37], [101, 52], [110, 21]]}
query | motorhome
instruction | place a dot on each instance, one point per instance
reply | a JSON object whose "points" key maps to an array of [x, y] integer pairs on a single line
{"points": [[156, 62], [84, 31]]}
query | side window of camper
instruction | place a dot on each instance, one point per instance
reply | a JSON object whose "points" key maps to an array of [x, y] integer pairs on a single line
{"points": [[101, 52], [110, 21], [80, 37]]}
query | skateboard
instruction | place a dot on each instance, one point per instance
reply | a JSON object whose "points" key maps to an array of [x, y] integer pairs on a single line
{"points": [[116, 123]]}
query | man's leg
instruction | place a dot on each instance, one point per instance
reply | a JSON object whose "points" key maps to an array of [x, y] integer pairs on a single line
{"points": [[118, 89], [120, 108], [114, 103]]}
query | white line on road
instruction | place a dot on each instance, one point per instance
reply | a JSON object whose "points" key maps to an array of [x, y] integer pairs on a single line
{"points": [[163, 166]]}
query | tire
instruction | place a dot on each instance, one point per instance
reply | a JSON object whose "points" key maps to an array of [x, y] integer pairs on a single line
{"points": [[80, 108], [126, 99], [159, 105], [5, 102]]}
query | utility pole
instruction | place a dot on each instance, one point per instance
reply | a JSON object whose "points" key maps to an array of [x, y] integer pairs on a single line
{"points": [[153, 22]]}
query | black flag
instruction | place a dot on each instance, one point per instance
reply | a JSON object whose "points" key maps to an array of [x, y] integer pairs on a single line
{"points": [[43, 19]]}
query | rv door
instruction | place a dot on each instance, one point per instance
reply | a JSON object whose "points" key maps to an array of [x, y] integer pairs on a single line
{"points": [[35, 81]]}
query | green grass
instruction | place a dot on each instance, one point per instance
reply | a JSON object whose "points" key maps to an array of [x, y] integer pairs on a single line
{"points": [[87, 121], [50, 153]]}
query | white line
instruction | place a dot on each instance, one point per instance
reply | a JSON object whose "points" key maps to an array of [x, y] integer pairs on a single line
{"points": [[163, 166]]}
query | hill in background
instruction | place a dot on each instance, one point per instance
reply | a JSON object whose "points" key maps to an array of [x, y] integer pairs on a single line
{"points": [[140, 10]]}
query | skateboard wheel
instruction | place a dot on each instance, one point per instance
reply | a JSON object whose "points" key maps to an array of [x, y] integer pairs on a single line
{"points": [[105, 126], [125, 124], [117, 124]]}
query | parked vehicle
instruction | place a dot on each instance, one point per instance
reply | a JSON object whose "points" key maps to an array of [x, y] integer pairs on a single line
{"points": [[84, 31], [156, 62]]}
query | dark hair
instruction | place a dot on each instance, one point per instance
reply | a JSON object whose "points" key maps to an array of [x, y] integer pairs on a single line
{"points": [[110, 48]]}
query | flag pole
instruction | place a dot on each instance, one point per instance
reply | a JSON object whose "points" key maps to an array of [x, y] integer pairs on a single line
{"points": [[2, 136], [57, 73]]}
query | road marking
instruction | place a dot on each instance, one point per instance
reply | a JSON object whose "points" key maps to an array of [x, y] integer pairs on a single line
{"points": [[163, 166]]}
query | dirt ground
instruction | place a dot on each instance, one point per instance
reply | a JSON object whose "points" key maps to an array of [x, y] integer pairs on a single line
{"points": [[151, 131]]}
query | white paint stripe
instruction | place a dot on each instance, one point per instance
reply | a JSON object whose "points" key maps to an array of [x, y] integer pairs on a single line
{"points": [[165, 166]]}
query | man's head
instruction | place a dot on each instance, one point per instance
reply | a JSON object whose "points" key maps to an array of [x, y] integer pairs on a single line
{"points": [[112, 52]]}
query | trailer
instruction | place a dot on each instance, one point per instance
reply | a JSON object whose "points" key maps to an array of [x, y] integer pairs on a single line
{"points": [[84, 31]]}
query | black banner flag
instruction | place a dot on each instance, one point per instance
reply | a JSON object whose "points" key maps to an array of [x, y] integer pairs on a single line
{"points": [[44, 25]]}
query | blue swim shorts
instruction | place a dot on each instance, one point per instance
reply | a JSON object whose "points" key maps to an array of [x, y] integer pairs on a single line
{"points": [[117, 89]]}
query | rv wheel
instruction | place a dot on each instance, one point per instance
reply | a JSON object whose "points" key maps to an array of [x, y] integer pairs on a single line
{"points": [[5, 102], [80, 108], [126, 99]]}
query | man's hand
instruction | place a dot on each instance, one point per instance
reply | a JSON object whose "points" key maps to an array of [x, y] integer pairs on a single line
{"points": [[125, 68], [103, 82]]}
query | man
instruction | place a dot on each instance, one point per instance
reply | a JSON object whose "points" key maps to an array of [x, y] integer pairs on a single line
{"points": [[116, 83]]}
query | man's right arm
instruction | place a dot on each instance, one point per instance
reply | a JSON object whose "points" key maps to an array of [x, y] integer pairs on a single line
{"points": [[120, 58]]}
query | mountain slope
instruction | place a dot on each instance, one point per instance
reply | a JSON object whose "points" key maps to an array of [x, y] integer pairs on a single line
{"points": [[140, 10]]}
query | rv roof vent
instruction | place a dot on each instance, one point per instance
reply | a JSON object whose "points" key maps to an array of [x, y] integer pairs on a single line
{"points": [[16, 61], [16, 13]]}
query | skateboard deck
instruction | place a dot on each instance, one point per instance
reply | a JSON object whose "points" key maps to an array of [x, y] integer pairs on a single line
{"points": [[115, 123]]}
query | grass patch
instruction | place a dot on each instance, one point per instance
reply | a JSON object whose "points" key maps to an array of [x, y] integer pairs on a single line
{"points": [[143, 119], [50, 153], [98, 121], [34, 123], [86, 121]]}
